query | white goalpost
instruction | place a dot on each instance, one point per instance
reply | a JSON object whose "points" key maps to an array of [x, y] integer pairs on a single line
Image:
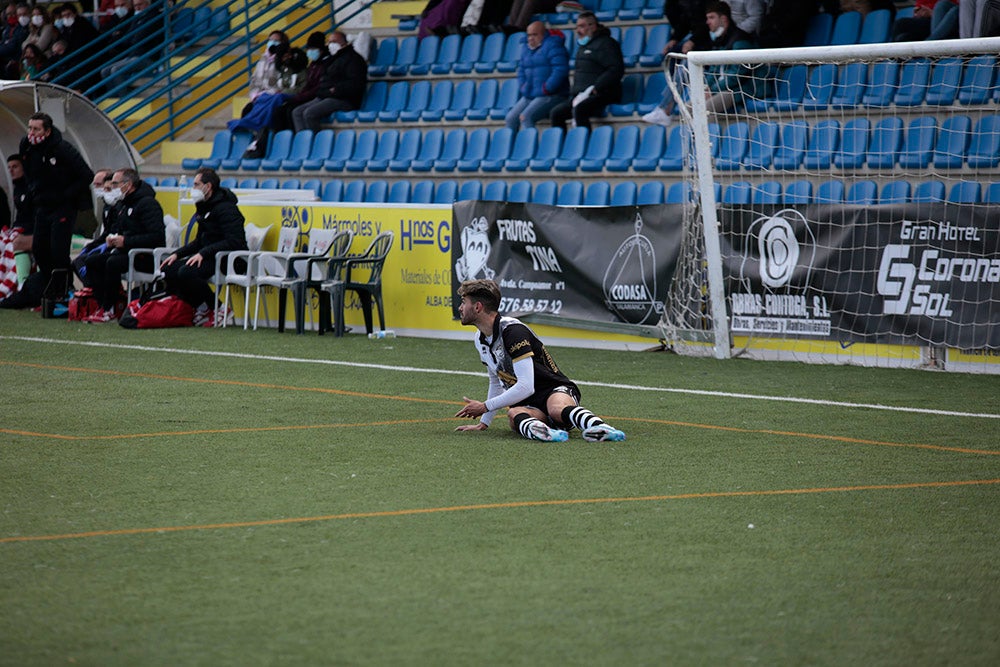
{"points": [[847, 210]]}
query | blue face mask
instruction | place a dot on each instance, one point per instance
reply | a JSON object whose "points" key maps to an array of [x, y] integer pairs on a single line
{"points": [[583, 41], [312, 55]]}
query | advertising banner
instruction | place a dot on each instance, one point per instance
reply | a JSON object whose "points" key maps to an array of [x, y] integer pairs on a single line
{"points": [[906, 274], [599, 264]]}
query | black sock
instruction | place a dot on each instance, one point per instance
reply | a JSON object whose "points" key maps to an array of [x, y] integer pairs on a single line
{"points": [[580, 417]]}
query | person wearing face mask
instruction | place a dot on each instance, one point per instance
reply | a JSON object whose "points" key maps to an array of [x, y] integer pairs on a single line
{"points": [[264, 78], [115, 27], [11, 39], [41, 33], [317, 55], [80, 36], [597, 77], [341, 87], [189, 269], [542, 77], [138, 47], [58, 182], [136, 221]]}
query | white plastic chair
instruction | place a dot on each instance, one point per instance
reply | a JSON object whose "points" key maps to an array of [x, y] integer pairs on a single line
{"points": [[135, 277], [234, 275]]}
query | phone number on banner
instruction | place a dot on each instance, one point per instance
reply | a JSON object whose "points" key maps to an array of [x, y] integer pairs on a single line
{"points": [[514, 305]]}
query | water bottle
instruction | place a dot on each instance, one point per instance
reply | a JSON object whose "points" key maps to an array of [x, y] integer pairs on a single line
{"points": [[388, 333], [182, 182]]}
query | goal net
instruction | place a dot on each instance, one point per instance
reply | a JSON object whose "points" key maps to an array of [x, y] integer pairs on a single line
{"points": [[847, 210]]}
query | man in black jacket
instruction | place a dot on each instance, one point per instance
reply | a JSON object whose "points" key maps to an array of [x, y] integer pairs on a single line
{"points": [[137, 223], [58, 181], [597, 77], [220, 229], [341, 88]]}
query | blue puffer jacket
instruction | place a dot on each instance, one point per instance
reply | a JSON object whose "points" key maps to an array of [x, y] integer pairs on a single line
{"points": [[544, 71]]}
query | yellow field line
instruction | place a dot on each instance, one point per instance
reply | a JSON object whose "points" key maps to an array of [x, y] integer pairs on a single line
{"points": [[494, 506]]}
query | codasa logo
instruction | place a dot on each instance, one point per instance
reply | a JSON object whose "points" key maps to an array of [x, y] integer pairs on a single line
{"points": [[475, 252], [630, 279], [778, 249]]}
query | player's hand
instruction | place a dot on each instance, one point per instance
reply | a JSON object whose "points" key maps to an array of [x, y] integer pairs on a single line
{"points": [[478, 426], [473, 408]]}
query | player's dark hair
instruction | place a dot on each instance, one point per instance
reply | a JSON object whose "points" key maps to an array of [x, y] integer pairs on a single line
{"points": [[486, 292]]}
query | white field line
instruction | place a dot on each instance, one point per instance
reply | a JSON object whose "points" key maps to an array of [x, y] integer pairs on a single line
{"points": [[609, 385]]}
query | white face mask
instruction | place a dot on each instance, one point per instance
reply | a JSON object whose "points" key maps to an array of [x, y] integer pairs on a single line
{"points": [[68, 22], [112, 197], [24, 20], [333, 47], [717, 33], [197, 195], [121, 12], [38, 20]]}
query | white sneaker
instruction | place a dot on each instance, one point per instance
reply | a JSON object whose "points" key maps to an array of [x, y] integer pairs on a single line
{"points": [[540, 431], [603, 433], [658, 117], [224, 317]]}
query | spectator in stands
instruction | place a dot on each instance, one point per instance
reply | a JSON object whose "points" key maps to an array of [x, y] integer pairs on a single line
{"points": [[188, 270], [726, 84], [485, 17], [137, 223], [542, 77], [785, 22], [75, 30], [932, 19], [264, 78], [41, 32], [341, 88], [522, 11], [441, 17], [978, 18], [865, 7], [58, 62], [105, 13], [748, 15], [317, 55], [597, 78], [58, 182], [687, 29], [16, 234], [113, 29], [12, 39], [32, 62], [138, 47]]}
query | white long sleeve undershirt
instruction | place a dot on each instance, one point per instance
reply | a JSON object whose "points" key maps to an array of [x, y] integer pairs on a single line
{"points": [[524, 370]]}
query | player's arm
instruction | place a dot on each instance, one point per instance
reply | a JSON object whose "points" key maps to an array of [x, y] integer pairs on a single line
{"points": [[524, 370]]}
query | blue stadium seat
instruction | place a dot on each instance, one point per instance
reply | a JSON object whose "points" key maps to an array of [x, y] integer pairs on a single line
{"points": [[853, 144], [447, 54], [763, 144], [876, 27], [416, 103], [313, 184], [570, 194], [446, 192], [992, 195], [798, 192], [220, 151], [492, 50], [291, 184], [399, 193], [656, 40], [470, 190], [549, 144], [227, 183], [984, 146], [395, 102], [737, 194], [607, 10], [928, 191], [768, 192], [633, 42], [299, 151], [976, 86], [426, 53], [733, 147], [354, 192], [484, 101], [918, 144], [882, 84], [511, 53], [818, 30], [598, 150], [846, 29], [525, 142], [652, 143], [468, 55], [495, 191], [439, 102], [830, 192], [430, 150], [598, 193], [851, 81], [519, 191], [952, 142], [862, 193], [461, 100], [913, 79], [966, 192], [653, 10], [451, 152], [343, 147], [679, 193], [632, 87], [506, 97], [675, 150], [248, 184], [269, 184], [409, 24], [631, 10], [946, 75], [320, 150], [377, 192], [237, 148], [373, 102], [278, 148], [384, 58], [476, 145], [823, 143], [545, 193], [406, 153], [422, 192], [790, 88], [385, 150], [333, 190], [651, 192], [791, 145], [573, 148], [652, 93], [895, 192], [364, 150], [819, 87], [624, 194], [886, 142], [219, 23], [499, 151], [622, 152]]}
